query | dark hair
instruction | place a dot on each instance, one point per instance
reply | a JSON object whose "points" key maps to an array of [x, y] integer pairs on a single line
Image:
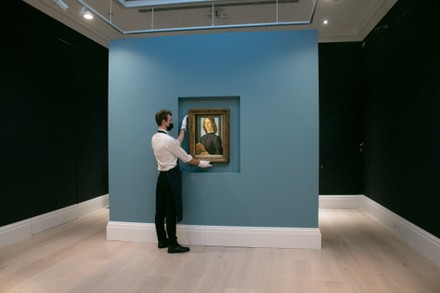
{"points": [[162, 115], [211, 119]]}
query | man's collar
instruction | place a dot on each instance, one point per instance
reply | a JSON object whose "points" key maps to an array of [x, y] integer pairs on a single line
{"points": [[162, 130]]}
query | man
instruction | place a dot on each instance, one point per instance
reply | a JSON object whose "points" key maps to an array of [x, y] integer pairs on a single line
{"points": [[169, 183]]}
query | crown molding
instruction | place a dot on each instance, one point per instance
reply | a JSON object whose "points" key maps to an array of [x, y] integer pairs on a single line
{"points": [[95, 32], [373, 18]]}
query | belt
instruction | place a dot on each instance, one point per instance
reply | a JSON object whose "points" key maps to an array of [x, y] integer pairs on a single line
{"points": [[169, 169]]}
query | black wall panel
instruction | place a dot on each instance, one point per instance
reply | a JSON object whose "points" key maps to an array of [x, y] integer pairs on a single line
{"points": [[92, 128], [340, 114], [385, 92], [402, 121], [53, 123]]}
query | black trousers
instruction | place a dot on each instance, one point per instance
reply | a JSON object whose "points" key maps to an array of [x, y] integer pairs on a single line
{"points": [[166, 205]]}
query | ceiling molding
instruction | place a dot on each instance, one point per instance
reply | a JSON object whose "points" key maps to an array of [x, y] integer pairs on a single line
{"points": [[350, 21], [374, 16], [186, 15], [95, 33]]}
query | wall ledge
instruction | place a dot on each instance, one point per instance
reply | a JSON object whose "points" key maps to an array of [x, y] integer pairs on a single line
{"points": [[23, 230], [424, 242]]}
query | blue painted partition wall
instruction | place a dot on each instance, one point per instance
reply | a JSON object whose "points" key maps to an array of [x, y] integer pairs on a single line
{"points": [[275, 77]]}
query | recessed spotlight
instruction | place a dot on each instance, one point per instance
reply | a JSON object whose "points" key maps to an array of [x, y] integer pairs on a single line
{"points": [[325, 21], [87, 14]]}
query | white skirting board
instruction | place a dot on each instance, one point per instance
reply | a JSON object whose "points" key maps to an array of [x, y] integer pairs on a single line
{"points": [[424, 242], [23, 230], [221, 235], [340, 201]]}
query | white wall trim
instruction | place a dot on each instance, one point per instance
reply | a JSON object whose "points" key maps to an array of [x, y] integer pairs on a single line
{"points": [[23, 230], [221, 235], [340, 201], [424, 242]]}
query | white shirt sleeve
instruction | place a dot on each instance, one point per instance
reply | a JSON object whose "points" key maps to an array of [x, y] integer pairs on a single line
{"points": [[173, 145], [167, 150]]}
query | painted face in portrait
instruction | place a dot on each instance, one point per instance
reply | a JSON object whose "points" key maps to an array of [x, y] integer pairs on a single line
{"points": [[209, 125]]}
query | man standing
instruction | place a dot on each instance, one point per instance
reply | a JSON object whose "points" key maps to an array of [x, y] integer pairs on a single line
{"points": [[169, 183]]}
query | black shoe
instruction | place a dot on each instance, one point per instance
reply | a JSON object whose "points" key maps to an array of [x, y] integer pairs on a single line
{"points": [[163, 244], [177, 248]]}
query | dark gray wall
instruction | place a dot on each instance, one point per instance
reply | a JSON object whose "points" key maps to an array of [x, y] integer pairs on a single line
{"points": [[340, 115], [53, 125], [402, 121], [385, 92]]}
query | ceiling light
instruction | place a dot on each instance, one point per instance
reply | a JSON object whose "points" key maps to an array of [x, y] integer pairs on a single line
{"points": [[61, 4], [325, 21], [87, 14]]}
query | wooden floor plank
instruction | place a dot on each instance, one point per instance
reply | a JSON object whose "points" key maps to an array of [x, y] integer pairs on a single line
{"points": [[358, 255]]}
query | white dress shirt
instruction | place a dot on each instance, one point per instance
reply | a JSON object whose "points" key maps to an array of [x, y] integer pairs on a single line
{"points": [[166, 150]]}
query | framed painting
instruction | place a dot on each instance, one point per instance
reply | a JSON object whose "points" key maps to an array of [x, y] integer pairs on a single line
{"points": [[209, 134]]}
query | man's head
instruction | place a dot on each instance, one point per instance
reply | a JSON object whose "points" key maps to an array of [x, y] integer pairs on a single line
{"points": [[163, 118], [162, 115]]}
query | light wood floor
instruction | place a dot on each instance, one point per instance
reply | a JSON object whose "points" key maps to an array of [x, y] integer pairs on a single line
{"points": [[358, 255]]}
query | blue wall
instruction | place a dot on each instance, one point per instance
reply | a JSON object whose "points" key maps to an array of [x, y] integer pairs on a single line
{"points": [[275, 77]]}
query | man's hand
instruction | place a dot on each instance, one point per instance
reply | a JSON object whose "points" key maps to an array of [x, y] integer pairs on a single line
{"points": [[204, 164], [184, 120]]}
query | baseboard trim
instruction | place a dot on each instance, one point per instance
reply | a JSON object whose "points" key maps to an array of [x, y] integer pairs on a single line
{"points": [[23, 230], [221, 235], [424, 242], [340, 201]]}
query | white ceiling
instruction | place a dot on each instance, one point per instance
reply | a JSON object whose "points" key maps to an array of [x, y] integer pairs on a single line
{"points": [[348, 20]]}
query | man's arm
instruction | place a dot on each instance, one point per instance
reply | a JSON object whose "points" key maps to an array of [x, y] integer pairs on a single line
{"points": [[182, 129], [181, 135], [196, 162], [174, 147]]}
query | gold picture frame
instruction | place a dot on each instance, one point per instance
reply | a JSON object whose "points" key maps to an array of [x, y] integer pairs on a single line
{"points": [[209, 134]]}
